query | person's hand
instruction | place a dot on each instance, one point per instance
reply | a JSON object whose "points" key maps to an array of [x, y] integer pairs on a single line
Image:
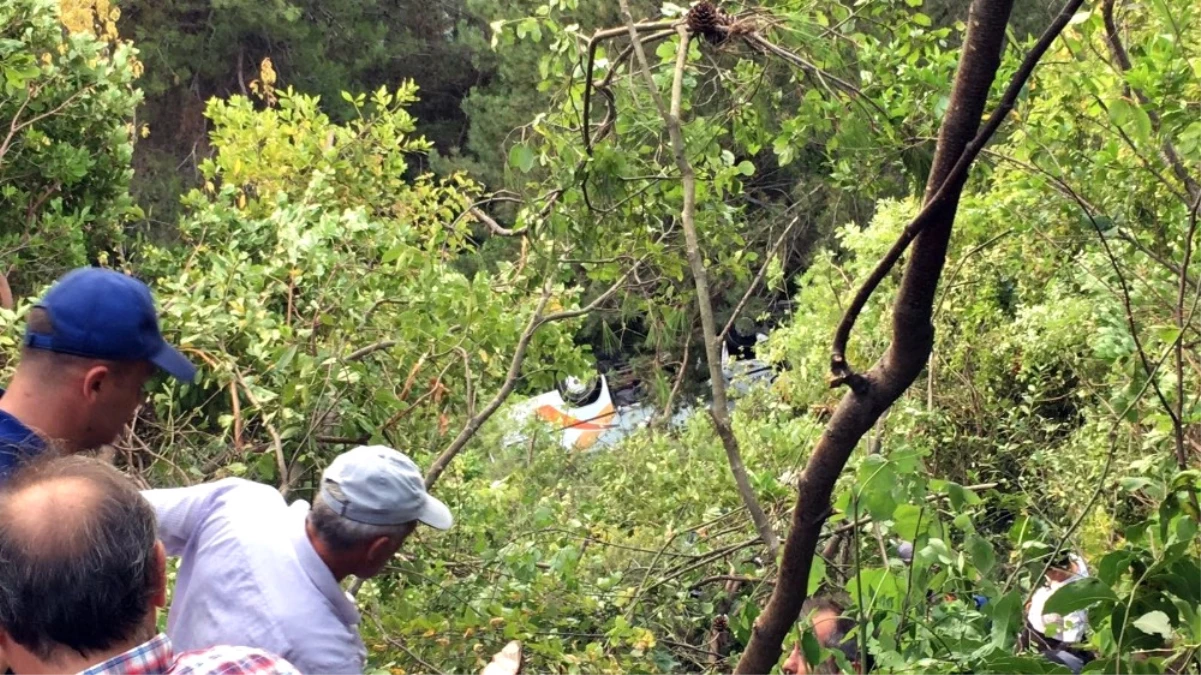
{"points": [[506, 662]]}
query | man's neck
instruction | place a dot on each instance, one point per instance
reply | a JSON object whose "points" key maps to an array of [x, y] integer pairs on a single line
{"points": [[29, 404], [337, 564], [70, 661]]}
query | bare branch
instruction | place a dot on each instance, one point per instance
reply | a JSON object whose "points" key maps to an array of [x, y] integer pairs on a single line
{"points": [[750, 290], [16, 126], [360, 354], [493, 226]]}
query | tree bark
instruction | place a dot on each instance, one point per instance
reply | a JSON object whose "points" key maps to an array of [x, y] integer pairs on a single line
{"points": [[718, 407], [912, 340]]}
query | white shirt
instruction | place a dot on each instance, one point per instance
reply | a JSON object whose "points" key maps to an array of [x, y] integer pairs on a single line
{"points": [[1070, 628], [250, 577]]}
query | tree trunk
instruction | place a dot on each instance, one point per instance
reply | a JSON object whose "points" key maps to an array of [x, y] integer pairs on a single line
{"points": [[912, 340]]}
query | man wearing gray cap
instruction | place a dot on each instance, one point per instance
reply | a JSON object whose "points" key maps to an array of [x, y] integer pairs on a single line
{"points": [[259, 573]]}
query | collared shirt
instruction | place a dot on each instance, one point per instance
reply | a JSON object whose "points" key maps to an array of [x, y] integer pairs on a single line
{"points": [[17, 442], [158, 657], [249, 576]]}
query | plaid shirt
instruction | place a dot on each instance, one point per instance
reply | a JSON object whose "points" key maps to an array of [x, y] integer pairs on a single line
{"points": [[156, 657]]}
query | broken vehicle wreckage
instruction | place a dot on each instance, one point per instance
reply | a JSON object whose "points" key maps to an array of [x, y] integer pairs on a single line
{"points": [[587, 415]]}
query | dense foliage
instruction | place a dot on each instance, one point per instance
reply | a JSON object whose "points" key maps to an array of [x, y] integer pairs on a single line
{"points": [[67, 101], [351, 263]]}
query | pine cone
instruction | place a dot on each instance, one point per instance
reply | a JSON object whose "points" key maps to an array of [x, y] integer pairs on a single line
{"points": [[707, 20]]}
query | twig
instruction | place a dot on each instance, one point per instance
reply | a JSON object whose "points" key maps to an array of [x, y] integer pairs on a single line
{"points": [[593, 43], [364, 352], [721, 553], [236, 406], [762, 44], [757, 280], [1114, 41], [379, 625], [16, 126], [843, 529], [285, 482], [732, 577]]}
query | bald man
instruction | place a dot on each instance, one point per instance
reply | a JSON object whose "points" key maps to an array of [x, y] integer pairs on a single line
{"points": [[825, 619], [82, 576]]}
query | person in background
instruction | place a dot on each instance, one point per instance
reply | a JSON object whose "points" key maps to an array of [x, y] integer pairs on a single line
{"points": [[90, 346], [260, 573], [1058, 637], [82, 578], [825, 617]]}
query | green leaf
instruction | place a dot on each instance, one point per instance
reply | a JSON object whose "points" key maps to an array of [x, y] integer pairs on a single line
{"points": [[521, 157], [1079, 17], [1006, 618], [811, 648], [746, 168], [817, 574], [906, 519], [1079, 594], [1155, 623], [1131, 118], [983, 556], [921, 19]]}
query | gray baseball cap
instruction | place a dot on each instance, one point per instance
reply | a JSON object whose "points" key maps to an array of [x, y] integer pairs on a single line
{"points": [[377, 485]]}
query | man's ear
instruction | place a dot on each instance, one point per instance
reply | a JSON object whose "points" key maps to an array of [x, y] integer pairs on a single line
{"points": [[93, 380], [379, 550], [160, 575]]}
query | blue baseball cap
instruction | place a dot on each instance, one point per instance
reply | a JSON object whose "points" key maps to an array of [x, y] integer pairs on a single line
{"points": [[103, 314], [377, 485]]}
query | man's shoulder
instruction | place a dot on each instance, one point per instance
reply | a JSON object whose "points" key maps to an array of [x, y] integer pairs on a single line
{"points": [[227, 660], [17, 442]]}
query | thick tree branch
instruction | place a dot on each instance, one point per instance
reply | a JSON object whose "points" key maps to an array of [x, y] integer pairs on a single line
{"points": [[718, 407], [941, 196], [912, 331]]}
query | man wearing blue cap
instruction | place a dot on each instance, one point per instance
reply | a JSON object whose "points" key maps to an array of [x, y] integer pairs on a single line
{"points": [[256, 572], [90, 346]]}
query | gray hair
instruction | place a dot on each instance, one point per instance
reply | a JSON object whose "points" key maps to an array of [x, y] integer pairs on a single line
{"points": [[341, 533], [81, 584]]}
